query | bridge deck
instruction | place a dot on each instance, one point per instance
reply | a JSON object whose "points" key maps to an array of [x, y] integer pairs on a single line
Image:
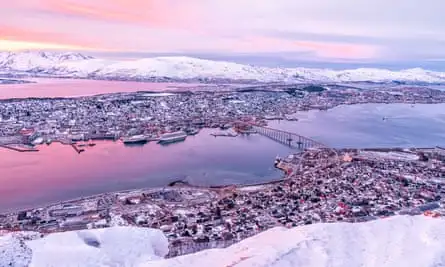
{"points": [[288, 138]]}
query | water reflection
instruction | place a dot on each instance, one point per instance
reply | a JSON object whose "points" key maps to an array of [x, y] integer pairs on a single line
{"points": [[56, 172], [77, 87]]}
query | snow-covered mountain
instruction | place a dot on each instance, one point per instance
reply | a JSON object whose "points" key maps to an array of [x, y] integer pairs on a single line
{"points": [[187, 68], [396, 241]]}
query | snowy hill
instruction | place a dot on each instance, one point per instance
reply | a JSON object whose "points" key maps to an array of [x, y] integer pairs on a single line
{"points": [[187, 68], [113, 247], [396, 241]]}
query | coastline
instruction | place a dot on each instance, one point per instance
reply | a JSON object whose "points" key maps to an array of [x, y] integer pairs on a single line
{"points": [[138, 190], [300, 198], [185, 184]]}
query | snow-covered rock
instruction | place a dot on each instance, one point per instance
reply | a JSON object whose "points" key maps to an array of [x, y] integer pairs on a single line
{"points": [[188, 68], [396, 241], [14, 252], [113, 247]]}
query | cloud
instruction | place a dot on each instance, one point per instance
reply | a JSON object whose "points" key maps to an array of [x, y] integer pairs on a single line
{"points": [[316, 29], [18, 37], [150, 13], [27, 45]]}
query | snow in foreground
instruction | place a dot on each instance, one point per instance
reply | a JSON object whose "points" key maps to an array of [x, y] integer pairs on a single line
{"points": [[117, 246], [397, 241]]}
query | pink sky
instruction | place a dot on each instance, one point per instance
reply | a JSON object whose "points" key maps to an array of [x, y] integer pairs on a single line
{"points": [[318, 28]]}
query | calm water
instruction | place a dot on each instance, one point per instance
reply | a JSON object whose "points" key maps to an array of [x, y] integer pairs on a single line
{"points": [[77, 87], [363, 125], [58, 173]]}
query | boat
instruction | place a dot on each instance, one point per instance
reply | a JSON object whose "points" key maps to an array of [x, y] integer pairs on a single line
{"points": [[135, 139], [38, 141], [229, 133], [291, 117], [192, 131], [277, 161], [172, 137]]}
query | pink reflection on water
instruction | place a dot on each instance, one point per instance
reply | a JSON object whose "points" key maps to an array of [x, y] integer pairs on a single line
{"points": [[78, 87], [58, 173], [57, 169]]}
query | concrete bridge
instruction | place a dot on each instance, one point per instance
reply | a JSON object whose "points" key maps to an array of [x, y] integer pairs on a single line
{"points": [[287, 138]]}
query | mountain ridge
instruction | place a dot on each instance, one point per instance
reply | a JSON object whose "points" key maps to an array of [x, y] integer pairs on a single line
{"points": [[77, 65]]}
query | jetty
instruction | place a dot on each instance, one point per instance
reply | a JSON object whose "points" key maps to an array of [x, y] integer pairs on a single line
{"points": [[20, 148]]}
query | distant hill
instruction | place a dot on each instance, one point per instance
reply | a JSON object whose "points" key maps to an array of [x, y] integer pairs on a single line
{"points": [[77, 65]]}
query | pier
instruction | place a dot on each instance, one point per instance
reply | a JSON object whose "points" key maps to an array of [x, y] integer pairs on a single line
{"points": [[78, 150], [287, 138], [20, 148]]}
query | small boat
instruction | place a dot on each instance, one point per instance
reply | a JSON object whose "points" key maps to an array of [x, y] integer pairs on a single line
{"points": [[136, 139], [192, 131], [172, 137]]}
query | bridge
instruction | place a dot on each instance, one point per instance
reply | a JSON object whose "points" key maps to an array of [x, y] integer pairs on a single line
{"points": [[292, 140]]}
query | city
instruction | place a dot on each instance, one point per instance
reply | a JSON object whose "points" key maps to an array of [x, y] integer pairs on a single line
{"points": [[148, 116], [210, 133], [318, 185]]}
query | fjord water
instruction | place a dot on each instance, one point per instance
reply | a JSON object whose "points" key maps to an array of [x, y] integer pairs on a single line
{"points": [[373, 125], [45, 87], [57, 172]]}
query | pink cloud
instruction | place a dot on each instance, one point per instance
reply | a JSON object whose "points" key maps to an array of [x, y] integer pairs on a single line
{"points": [[156, 26], [43, 37], [153, 13], [259, 44], [340, 50]]}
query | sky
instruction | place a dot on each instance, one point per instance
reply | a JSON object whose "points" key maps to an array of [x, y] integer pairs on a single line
{"points": [[360, 32]]}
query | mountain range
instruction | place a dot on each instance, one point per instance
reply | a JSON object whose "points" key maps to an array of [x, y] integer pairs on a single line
{"points": [[77, 65], [396, 241]]}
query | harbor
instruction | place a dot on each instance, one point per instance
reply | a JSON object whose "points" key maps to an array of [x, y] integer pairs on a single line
{"points": [[326, 186], [202, 159], [111, 165]]}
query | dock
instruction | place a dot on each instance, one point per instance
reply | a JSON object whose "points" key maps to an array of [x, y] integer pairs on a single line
{"points": [[20, 148], [78, 150], [223, 135]]}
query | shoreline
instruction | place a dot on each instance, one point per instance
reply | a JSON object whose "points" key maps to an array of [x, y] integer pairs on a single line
{"points": [[325, 186], [136, 190], [185, 184], [118, 138]]}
